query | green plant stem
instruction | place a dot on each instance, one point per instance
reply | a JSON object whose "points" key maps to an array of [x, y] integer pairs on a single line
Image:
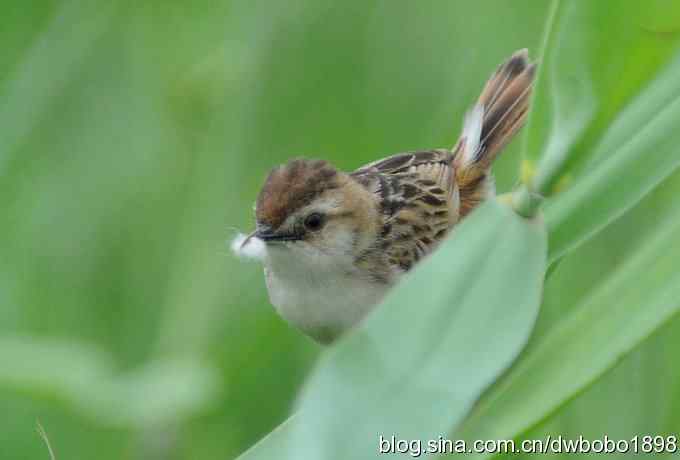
{"points": [[526, 202]]}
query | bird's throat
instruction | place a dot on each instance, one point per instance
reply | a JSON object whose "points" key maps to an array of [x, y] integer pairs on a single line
{"points": [[323, 300]]}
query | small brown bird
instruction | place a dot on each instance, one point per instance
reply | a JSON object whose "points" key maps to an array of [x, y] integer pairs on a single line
{"points": [[335, 242]]}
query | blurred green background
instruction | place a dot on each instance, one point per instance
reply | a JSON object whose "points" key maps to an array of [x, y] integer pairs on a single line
{"points": [[133, 139]]}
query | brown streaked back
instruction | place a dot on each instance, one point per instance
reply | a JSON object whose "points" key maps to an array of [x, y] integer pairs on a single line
{"points": [[417, 200]]}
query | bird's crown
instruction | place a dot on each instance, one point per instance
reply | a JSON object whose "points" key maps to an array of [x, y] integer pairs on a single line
{"points": [[292, 186]]}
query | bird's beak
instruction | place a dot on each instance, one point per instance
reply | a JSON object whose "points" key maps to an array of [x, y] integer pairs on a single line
{"points": [[266, 235]]}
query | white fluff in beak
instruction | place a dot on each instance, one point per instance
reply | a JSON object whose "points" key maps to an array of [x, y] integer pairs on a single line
{"points": [[253, 248]]}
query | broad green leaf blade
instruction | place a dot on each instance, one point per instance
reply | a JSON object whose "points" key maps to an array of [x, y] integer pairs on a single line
{"points": [[635, 301], [584, 84], [418, 364], [274, 444]]}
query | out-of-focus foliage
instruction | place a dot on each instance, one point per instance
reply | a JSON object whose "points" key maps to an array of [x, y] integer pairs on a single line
{"points": [[133, 139], [606, 101]]}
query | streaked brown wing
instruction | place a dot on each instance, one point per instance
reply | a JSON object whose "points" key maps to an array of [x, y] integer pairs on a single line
{"points": [[418, 198], [401, 162]]}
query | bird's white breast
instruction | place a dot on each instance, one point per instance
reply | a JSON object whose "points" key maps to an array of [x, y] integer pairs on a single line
{"points": [[322, 296]]}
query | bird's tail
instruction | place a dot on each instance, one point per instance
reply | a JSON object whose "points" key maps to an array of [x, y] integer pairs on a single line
{"points": [[498, 114]]}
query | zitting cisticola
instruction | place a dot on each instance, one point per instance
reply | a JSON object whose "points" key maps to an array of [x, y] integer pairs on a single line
{"points": [[335, 242]]}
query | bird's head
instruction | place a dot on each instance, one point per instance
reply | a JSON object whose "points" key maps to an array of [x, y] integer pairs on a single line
{"points": [[308, 208]]}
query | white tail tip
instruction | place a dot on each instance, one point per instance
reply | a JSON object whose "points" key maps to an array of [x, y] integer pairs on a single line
{"points": [[472, 134]]}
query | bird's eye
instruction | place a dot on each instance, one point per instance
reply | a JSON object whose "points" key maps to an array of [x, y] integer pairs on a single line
{"points": [[314, 221]]}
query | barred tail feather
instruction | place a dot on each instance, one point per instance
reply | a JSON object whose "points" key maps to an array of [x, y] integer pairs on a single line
{"points": [[499, 113]]}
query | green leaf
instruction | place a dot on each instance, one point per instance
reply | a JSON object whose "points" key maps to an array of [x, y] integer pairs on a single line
{"points": [[82, 378], [160, 392], [274, 444], [421, 360], [602, 127], [51, 367], [583, 85], [640, 150], [634, 302]]}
